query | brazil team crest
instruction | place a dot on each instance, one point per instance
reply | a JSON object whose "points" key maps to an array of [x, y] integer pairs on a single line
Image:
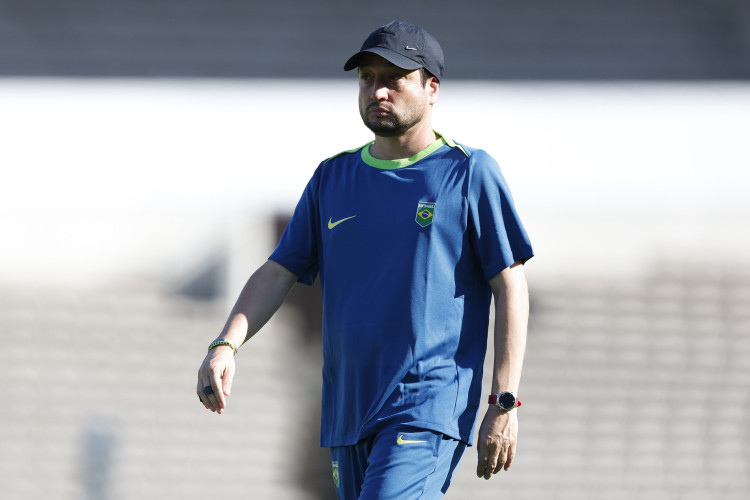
{"points": [[425, 213], [335, 466]]}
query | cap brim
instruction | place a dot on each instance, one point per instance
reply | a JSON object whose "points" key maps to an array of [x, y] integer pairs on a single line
{"points": [[387, 54]]}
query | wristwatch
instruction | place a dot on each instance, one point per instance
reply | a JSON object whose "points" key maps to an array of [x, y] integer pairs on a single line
{"points": [[505, 400]]}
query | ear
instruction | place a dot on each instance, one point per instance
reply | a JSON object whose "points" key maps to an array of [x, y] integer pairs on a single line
{"points": [[433, 89]]}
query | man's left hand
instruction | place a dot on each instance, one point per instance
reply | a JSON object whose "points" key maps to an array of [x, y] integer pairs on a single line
{"points": [[497, 441]]}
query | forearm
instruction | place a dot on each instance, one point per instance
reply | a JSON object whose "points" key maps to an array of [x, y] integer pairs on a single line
{"points": [[511, 296], [259, 299]]}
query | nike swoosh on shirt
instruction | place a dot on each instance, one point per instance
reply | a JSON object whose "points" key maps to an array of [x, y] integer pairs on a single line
{"points": [[401, 440], [332, 224]]}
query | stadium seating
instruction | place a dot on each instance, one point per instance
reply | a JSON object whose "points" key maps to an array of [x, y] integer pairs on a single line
{"points": [[631, 390]]}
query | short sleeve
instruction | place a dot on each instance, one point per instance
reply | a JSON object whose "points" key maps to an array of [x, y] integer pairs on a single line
{"points": [[497, 234], [297, 250]]}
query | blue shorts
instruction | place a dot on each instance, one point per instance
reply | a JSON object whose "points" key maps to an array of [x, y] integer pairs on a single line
{"points": [[398, 463]]}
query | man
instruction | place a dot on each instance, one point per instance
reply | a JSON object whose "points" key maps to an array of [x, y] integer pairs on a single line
{"points": [[412, 235]]}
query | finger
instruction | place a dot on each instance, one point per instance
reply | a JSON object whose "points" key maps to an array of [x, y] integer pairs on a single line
{"points": [[491, 465], [202, 396], [218, 391], [226, 381], [482, 459], [491, 461], [511, 456], [502, 456], [209, 393]]}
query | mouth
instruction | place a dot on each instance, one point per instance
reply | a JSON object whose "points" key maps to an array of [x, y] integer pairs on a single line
{"points": [[377, 110]]}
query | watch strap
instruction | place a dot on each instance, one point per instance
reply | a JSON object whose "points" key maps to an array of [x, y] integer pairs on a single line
{"points": [[495, 398]]}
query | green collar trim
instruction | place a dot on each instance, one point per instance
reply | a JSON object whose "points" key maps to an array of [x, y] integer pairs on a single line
{"points": [[403, 162], [452, 144], [343, 153]]}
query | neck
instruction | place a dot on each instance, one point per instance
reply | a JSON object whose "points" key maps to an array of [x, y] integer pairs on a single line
{"points": [[403, 146]]}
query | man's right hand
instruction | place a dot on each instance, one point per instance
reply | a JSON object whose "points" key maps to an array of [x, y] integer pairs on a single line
{"points": [[259, 299], [216, 372]]}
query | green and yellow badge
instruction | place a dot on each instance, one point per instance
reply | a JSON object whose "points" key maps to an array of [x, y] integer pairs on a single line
{"points": [[335, 466], [425, 213]]}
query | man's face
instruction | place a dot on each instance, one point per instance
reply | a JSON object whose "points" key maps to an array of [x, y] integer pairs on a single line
{"points": [[391, 99]]}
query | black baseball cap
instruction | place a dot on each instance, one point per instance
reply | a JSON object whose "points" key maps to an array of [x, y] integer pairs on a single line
{"points": [[405, 45]]}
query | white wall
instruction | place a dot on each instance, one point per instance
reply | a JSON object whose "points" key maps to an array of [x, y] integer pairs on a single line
{"points": [[104, 177]]}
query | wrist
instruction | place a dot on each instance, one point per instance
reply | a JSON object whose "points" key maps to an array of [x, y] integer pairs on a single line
{"points": [[222, 342], [505, 400]]}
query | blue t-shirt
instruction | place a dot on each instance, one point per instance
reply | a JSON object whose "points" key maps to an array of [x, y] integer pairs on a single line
{"points": [[405, 249]]}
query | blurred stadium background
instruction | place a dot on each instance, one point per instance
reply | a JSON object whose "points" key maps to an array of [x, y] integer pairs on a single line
{"points": [[151, 152]]}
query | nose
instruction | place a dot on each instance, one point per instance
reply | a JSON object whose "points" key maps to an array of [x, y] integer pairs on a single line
{"points": [[379, 91]]}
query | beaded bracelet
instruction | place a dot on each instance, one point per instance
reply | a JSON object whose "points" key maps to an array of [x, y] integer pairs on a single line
{"points": [[217, 343]]}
